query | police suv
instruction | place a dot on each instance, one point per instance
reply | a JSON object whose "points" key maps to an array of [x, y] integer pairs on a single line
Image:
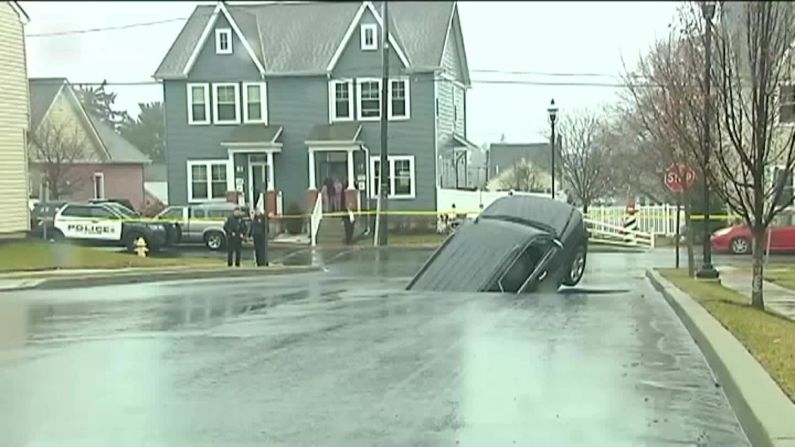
{"points": [[106, 224]]}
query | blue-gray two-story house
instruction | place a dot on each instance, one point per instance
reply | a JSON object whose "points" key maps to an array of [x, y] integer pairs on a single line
{"points": [[285, 96]]}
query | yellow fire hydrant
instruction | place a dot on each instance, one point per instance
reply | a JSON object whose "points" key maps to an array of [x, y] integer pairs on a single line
{"points": [[140, 247]]}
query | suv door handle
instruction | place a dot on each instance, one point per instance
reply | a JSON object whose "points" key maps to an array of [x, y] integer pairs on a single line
{"points": [[94, 221]]}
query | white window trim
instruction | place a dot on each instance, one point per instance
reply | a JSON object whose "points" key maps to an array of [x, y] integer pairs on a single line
{"points": [[206, 88], [363, 32], [98, 176], [236, 87], [332, 98], [208, 164], [359, 83], [218, 33], [407, 85], [391, 160], [263, 96]]}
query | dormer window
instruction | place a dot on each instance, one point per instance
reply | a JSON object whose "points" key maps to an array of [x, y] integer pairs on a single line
{"points": [[369, 35], [223, 41]]}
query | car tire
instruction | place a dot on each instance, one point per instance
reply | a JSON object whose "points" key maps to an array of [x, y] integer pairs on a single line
{"points": [[740, 246], [214, 240], [576, 268], [54, 235]]}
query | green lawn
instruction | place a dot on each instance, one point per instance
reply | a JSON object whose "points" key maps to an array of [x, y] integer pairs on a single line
{"points": [[769, 338], [29, 256]]}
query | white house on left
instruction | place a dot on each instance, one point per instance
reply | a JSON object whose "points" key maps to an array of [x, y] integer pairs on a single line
{"points": [[14, 113]]}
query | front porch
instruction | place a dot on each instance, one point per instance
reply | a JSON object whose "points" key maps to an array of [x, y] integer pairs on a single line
{"points": [[250, 170], [337, 162]]}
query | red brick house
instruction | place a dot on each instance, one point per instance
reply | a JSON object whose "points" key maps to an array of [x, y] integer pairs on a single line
{"points": [[75, 155]]}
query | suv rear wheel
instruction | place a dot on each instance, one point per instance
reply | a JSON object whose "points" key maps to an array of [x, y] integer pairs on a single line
{"points": [[214, 240]]}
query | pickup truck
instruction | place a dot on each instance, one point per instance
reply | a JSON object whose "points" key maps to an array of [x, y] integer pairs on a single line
{"points": [[201, 223]]}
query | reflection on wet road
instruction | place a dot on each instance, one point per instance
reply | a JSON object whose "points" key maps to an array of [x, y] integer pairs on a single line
{"points": [[346, 357]]}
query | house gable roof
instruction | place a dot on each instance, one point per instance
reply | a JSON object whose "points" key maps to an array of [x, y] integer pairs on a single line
{"points": [[114, 148], [43, 92], [23, 16], [118, 148], [367, 6], [303, 37], [207, 31]]}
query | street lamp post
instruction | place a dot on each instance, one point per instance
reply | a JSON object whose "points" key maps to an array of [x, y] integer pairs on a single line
{"points": [[707, 270], [553, 115]]}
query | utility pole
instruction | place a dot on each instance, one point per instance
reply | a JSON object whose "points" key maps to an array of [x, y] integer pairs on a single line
{"points": [[707, 270], [384, 164]]}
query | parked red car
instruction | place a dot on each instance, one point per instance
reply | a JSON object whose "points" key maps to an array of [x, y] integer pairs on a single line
{"points": [[738, 240]]}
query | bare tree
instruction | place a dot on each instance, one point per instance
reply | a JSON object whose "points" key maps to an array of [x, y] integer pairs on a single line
{"points": [[585, 157], [54, 149], [523, 176], [752, 67], [666, 96]]}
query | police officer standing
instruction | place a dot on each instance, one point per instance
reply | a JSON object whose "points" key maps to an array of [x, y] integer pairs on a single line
{"points": [[259, 232], [234, 229]]}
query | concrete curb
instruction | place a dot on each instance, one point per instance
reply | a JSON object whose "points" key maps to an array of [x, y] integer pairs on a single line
{"points": [[138, 277], [765, 413]]}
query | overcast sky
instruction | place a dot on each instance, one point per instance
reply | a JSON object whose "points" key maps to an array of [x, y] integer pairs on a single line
{"points": [[538, 37]]}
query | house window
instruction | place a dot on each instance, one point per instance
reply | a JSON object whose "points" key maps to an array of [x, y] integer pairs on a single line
{"points": [[225, 97], [341, 100], [369, 99], [223, 41], [398, 98], [787, 104], [369, 35], [206, 180], [401, 173], [198, 104], [99, 185], [255, 100]]}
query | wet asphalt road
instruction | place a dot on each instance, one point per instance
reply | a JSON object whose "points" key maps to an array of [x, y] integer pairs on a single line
{"points": [[347, 358]]}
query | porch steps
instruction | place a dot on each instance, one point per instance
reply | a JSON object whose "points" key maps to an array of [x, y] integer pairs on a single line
{"points": [[331, 231]]}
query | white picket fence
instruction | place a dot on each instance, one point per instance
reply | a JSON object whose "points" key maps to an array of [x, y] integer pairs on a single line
{"points": [[654, 219]]}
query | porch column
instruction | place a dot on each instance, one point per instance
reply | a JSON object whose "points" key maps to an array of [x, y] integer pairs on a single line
{"points": [[312, 170], [351, 177], [271, 180]]}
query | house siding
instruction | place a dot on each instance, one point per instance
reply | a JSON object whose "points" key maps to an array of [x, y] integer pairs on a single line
{"points": [[122, 181], [355, 62], [451, 116], [237, 66], [451, 55], [65, 116], [414, 136], [14, 117], [298, 103]]}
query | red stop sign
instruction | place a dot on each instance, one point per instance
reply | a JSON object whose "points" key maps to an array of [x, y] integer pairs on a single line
{"points": [[679, 177]]}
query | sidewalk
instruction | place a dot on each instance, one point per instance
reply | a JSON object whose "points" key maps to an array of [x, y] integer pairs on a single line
{"points": [[778, 299]]}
